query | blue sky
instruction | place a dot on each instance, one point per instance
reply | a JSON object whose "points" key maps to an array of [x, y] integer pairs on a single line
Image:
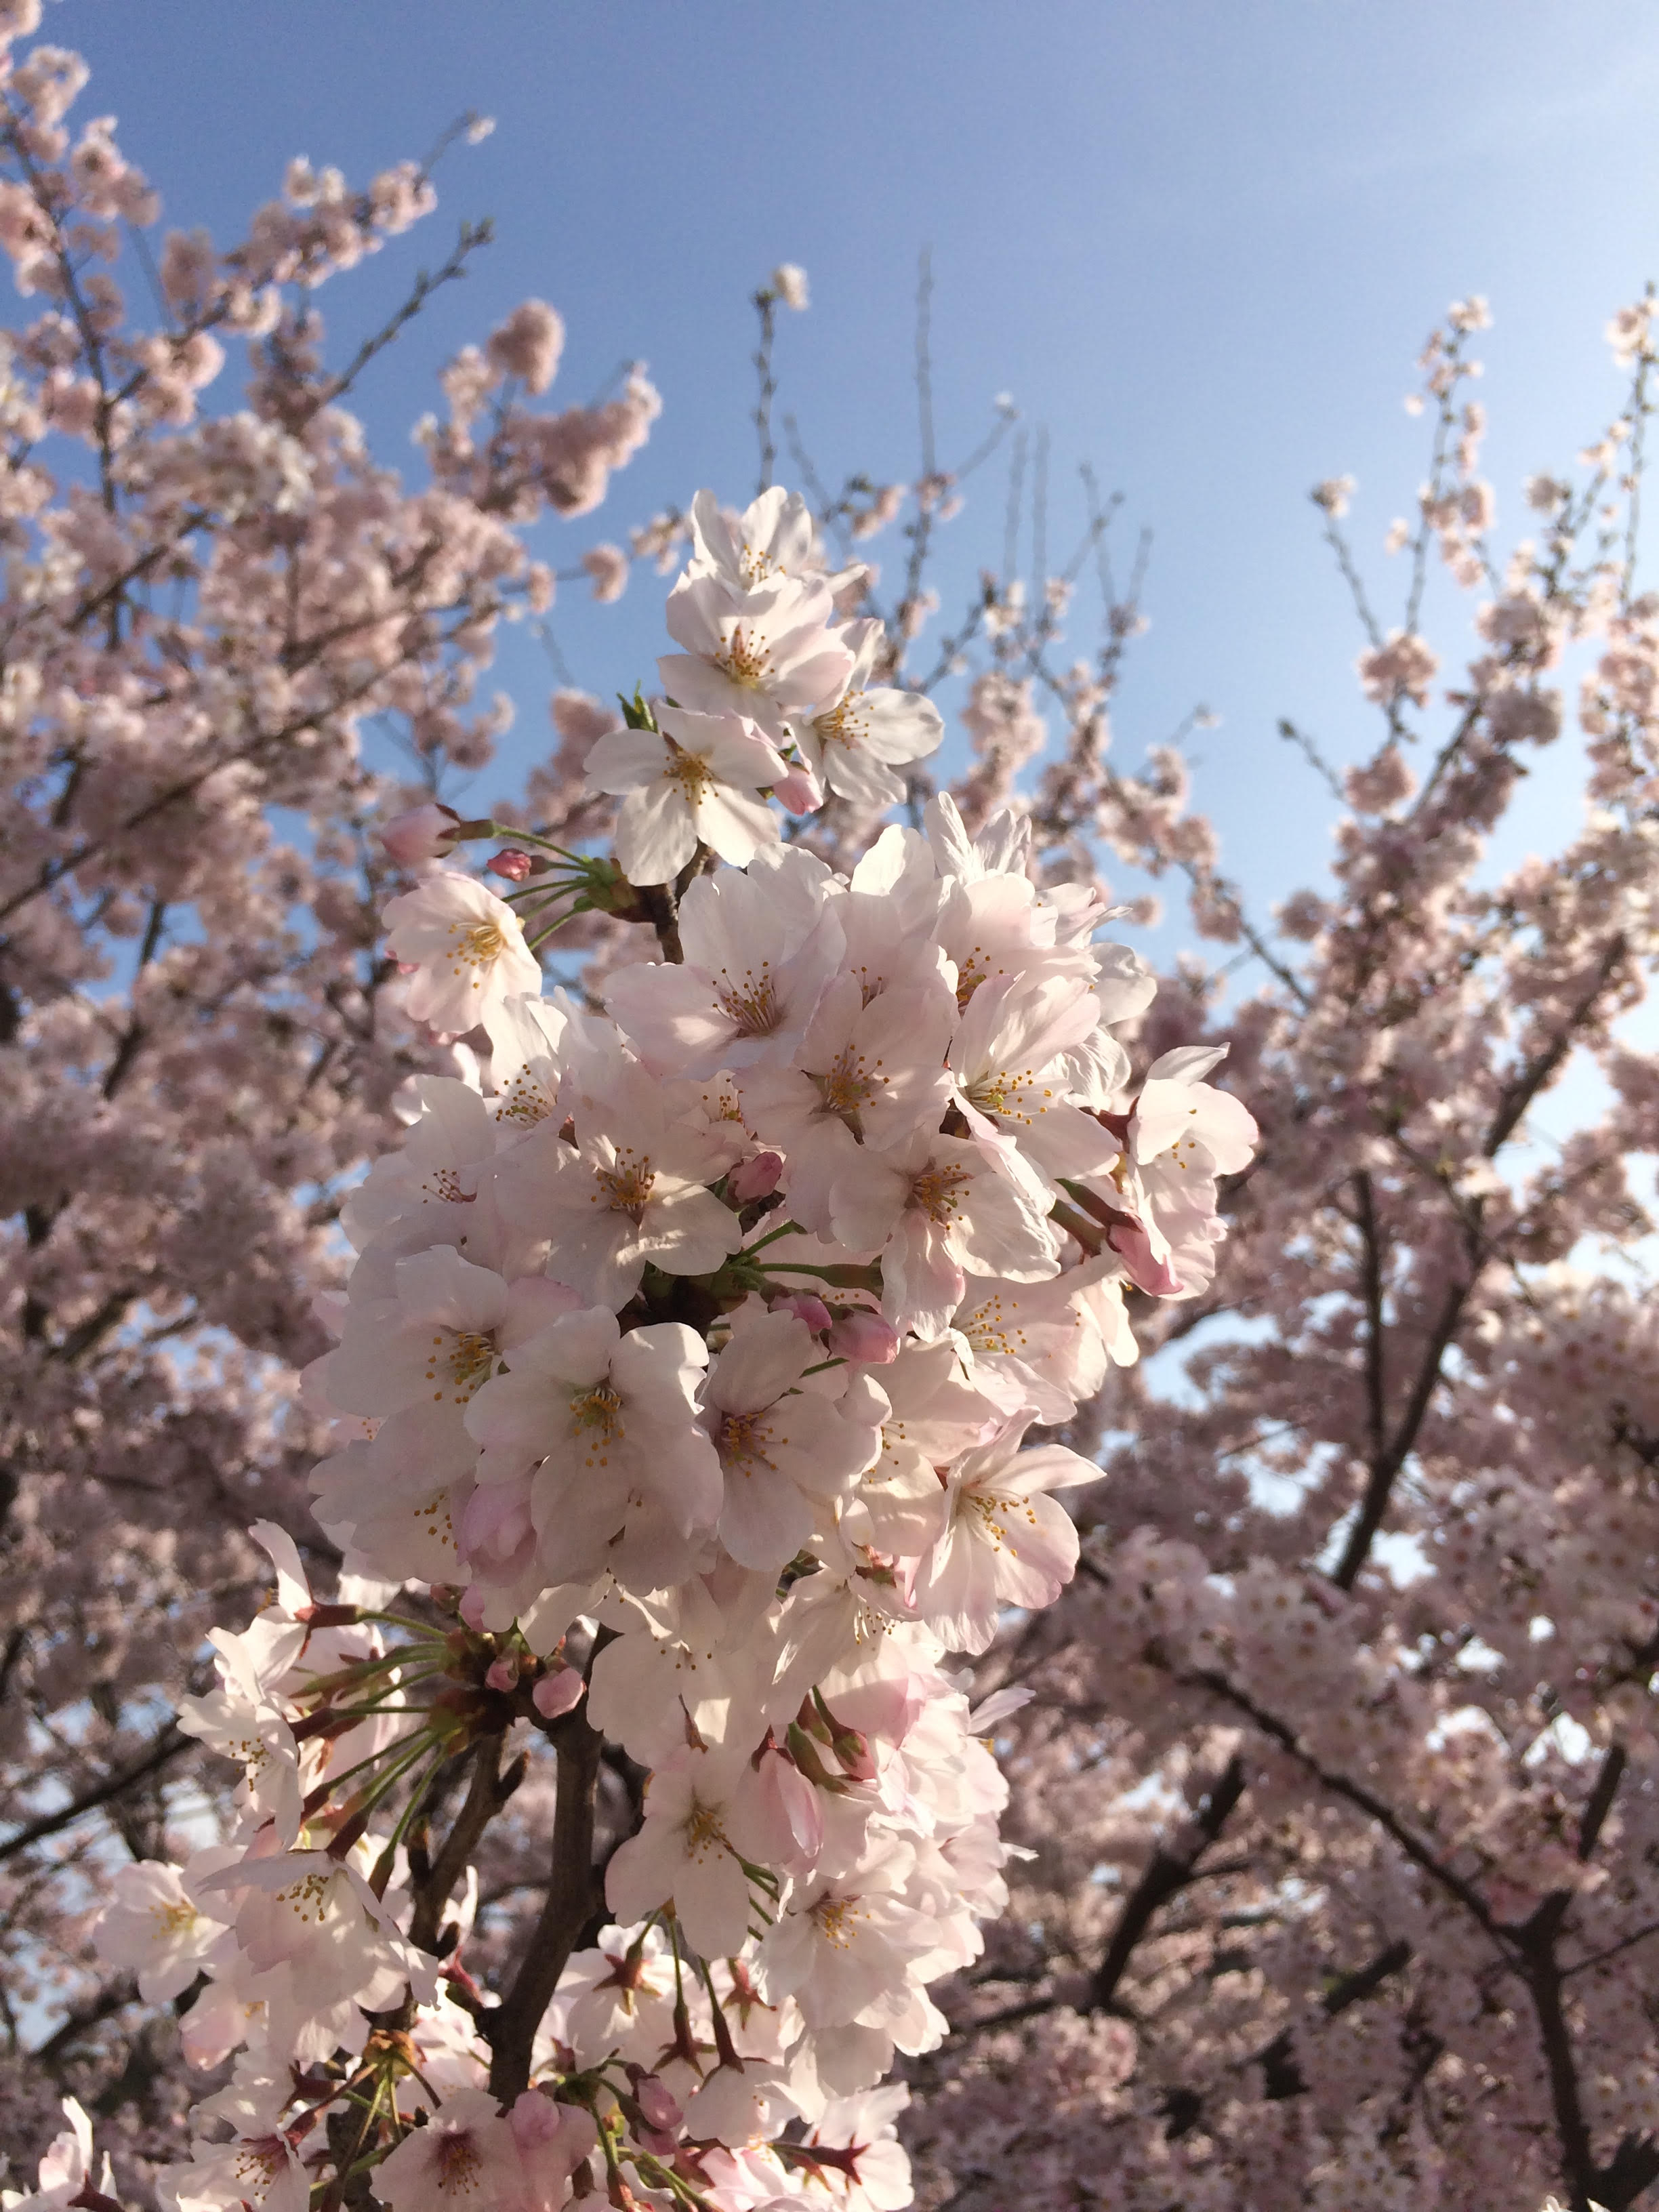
{"points": [[1200, 242]]}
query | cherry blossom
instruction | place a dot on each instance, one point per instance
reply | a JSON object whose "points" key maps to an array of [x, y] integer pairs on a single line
{"points": [[671, 1459], [694, 778], [467, 949]]}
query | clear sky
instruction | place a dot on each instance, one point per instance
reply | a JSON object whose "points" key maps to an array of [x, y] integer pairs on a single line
{"points": [[1200, 239]]}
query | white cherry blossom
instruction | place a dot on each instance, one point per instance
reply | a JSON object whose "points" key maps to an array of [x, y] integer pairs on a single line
{"points": [[785, 1453], [154, 1926], [759, 949], [857, 739], [937, 1210], [696, 779], [1006, 1541], [466, 947], [769, 547], [766, 656]]}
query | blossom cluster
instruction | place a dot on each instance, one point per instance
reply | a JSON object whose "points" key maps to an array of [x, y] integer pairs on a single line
{"points": [[687, 1376]]}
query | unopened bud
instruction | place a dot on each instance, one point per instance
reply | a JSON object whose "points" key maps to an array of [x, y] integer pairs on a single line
{"points": [[864, 1337], [805, 1753], [754, 1178], [655, 2102], [503, 1674], [852, 1747], [850, 1744], [511, 863], [557, 1693], [789, 282], [800, 792], [423, 833], [804, 1307]]}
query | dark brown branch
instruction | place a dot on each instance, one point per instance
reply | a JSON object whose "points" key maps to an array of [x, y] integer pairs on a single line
{"points": [[1601, 1802], [662, 910], [1281, 2076], [109, 2000], [1167, 1873], [1355, 1794], [1371, 1276], [1525, 1086], [167, 1746], [1385, 1468], [570, 1899], [472, 236], [482, 1803]]}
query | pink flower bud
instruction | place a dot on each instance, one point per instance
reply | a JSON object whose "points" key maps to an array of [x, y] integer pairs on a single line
{"points": [[852, 1747], [513, 864], [865, 1339], [754, 1178], [503, 1675], [654, 2101], [804, 1307], [557, 1694], [496, 1532], [794, 1811], [800, 792], [423, 833], [1149, 1269]]}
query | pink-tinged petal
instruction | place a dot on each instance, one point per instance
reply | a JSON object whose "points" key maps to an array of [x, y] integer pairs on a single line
{"points": [[735, 826], [655, 834], [557, 1694], [626, 760]]}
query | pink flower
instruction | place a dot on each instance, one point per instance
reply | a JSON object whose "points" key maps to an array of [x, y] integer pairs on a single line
{"points": [[465, 2157], [783, 1454], [702, 1818], [760, 948], [1005, 1543], [608, 566], [864, 1337], [938, 1210], [696, 779], [528, 344], [466, 948], [856, 736], [558, 1693], [1403, 667], [421, 833], [756, 1177], [767, 659]]}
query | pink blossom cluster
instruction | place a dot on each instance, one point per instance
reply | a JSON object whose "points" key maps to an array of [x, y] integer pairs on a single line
{"points": [[685, 1375], [1338, 1774], [1328, 1833], [218, 599]]}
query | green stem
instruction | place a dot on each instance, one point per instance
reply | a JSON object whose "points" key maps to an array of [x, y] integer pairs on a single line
{"points": [[788, 1229], [844, 1278], [374, 1758], [407, 1815], [423, 1629]]}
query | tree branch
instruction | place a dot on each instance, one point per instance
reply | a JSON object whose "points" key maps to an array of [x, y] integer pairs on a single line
{"points": [[1385, 1468], [1167, 1873], [511, 2027], [168, 1745], [482, 1802], [1356, 1794]]}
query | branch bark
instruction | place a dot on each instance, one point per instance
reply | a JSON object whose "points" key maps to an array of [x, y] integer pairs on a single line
{"points": [[167, 1746], [1166, 1875], [482, 1800], [570, 1899]]}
